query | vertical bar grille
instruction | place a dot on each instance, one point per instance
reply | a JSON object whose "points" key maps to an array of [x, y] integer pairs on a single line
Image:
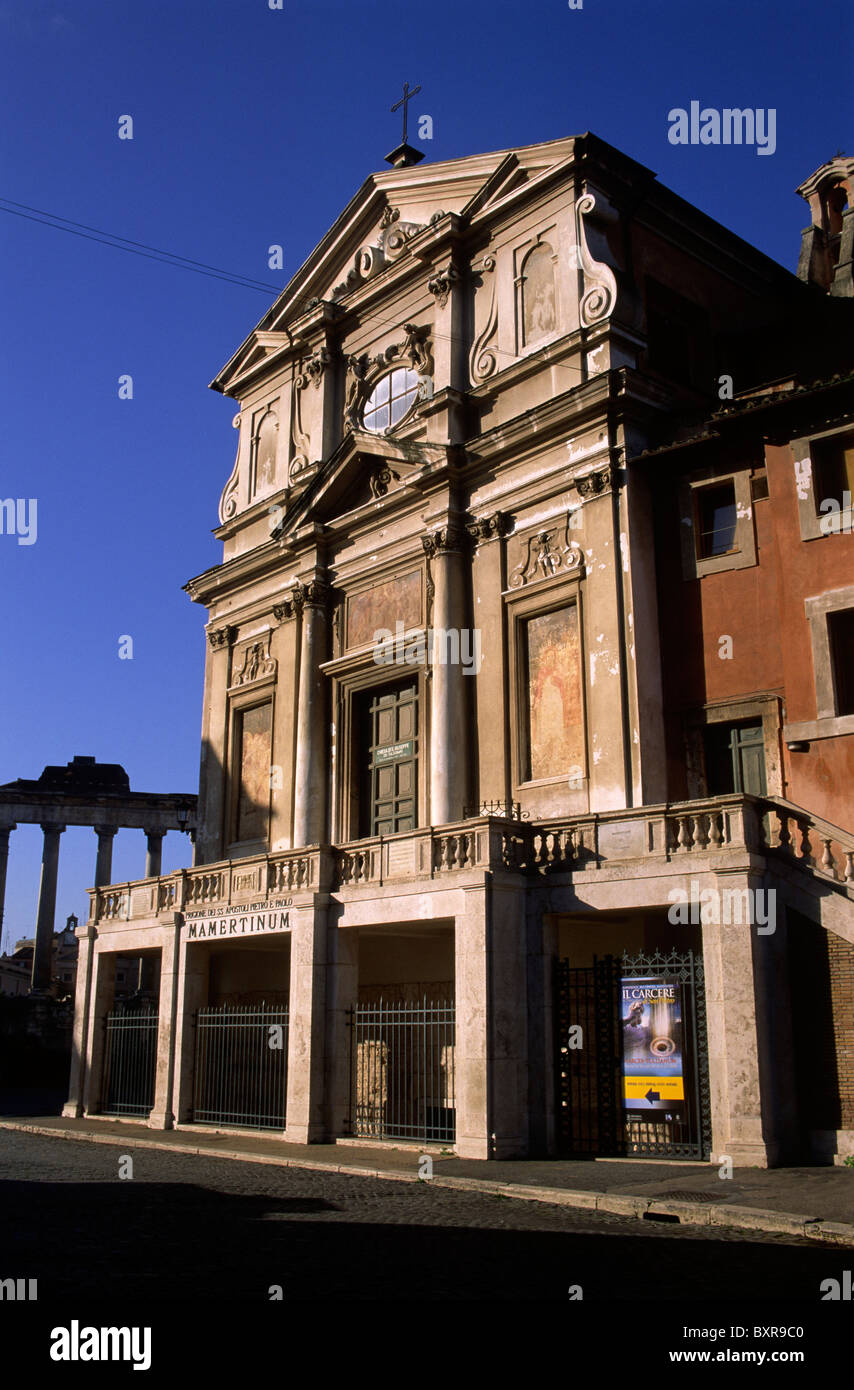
{"points": [[241, 1074], [403, 1070], [130, 1060]]}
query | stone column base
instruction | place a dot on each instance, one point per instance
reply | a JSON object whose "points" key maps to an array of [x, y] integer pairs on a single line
{"points": [[304, 1134], [751, 1155], [72, 1110], [161, 1119]]}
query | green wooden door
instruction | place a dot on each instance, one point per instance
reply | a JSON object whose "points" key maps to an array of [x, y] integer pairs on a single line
{"points": [[392, 753], [735, 758]]}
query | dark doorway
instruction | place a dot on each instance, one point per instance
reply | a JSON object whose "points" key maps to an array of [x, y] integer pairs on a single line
{"points": [[735, 758]]}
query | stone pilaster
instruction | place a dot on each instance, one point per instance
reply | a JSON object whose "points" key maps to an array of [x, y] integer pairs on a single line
{"points": [[490, 689], [342, 993], [162, 1116], [734, 1053], [73, 1107], [491, 1060], [609, 755], [211, 813], [305, 1120]]}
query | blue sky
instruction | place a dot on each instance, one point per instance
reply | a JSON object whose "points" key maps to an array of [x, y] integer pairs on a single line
{"points": [[254, 127]]}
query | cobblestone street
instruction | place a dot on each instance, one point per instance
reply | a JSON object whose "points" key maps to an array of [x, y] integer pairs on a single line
{"points": [[186, 1228]]}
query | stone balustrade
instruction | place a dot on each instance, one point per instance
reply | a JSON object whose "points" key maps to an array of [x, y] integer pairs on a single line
{"points": [[806, 839], [699, 829]]}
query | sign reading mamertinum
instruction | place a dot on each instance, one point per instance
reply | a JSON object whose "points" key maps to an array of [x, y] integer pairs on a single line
{"points": [[251, 918]]}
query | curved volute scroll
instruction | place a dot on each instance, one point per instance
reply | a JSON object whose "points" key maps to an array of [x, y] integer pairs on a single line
{"points": [[228, 500], [600, 285], [483, 359]]}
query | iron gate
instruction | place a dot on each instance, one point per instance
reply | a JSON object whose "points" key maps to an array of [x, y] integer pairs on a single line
{"points": [[638, 1083], [402, 1070], [587, 1064], [130, 1059], [241, 1074]]}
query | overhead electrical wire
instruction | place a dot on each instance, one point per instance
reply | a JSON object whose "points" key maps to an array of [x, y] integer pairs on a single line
{"points": [[178, 262], [134, 248]]}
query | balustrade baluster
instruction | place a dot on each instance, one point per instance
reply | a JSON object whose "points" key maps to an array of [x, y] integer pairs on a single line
{"points": [[784, 837]]}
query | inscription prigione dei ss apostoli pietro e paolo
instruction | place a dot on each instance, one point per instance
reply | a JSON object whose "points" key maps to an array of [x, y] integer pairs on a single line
{"points": [[253, 918]]}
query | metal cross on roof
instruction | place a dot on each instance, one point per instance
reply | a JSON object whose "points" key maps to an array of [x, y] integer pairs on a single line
{"points": [[404, 102]]}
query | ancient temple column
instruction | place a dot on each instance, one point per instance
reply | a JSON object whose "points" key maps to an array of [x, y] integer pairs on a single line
{"points": [[448, 766], [5, 832], [312, 723], [153, 853], [104, 860], [47, 907]]}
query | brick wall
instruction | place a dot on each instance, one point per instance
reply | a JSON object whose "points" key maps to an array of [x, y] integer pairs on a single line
{"points": [[822, 987]]}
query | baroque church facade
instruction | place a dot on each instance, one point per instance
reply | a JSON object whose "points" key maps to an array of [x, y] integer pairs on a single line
{"points": [[483, 856]]}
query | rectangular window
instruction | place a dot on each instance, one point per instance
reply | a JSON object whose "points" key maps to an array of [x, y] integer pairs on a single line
{"points": [[833, 461], [253, 746], [840, 627], [555, 725], [716, 520]]}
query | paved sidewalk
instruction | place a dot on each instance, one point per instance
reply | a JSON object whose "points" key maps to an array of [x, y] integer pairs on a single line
{"points": [[814, 1202]]}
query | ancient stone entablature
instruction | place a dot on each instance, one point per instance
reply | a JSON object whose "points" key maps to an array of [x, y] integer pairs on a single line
{"points": [[257, 662], [228, 500], [545, 553]]}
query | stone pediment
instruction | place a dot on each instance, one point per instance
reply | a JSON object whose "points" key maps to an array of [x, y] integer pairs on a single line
{"points": [[392, 212], [364, 469]]}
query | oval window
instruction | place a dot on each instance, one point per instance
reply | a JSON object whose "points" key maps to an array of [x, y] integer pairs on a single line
{"points": [[390, 400]]}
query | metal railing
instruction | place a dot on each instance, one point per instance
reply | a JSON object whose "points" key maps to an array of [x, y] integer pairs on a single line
{"points": [[402, 1077], [130, 1060], [241, 1075]]}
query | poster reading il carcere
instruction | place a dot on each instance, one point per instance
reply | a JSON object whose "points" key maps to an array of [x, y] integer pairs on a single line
{"points": [[652, 1044]]}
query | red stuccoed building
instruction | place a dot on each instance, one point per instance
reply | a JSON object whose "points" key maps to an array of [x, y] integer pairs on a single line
{"points": [[754, 506]]}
